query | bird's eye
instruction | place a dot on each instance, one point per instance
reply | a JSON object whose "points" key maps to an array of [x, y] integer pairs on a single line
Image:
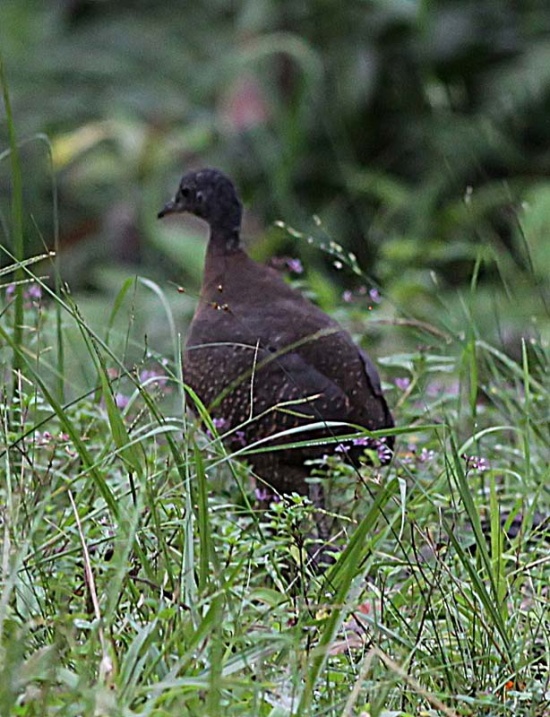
{"points": [[185, 191], [200, 197]]}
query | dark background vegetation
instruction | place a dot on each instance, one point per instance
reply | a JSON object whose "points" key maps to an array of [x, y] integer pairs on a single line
{"points": [[419, 134]]}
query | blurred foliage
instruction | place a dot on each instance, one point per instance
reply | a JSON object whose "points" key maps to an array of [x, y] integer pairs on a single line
{"points": [[417, 132]]}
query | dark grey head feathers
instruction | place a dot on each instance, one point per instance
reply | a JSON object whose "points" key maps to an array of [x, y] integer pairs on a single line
{"points": [[210, 195]]}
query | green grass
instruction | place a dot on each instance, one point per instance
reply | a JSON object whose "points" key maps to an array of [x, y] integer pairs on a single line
{"points": [[138, 579]]}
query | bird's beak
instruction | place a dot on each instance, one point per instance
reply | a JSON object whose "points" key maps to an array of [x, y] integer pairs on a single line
{"points": [[168, 208]]}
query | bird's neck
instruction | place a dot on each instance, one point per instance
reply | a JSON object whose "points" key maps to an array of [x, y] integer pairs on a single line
{"points": [[223, 268], [223, 241]]}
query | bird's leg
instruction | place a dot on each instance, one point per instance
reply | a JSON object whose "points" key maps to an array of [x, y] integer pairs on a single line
{"points": [[317, 497], [321, 554]]}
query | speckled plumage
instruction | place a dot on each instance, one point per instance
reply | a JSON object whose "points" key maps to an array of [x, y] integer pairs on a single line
{"points": [[263, 358]]}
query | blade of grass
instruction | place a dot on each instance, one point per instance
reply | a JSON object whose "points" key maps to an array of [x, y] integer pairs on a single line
{"points": [[129, 451], [497, 547], [341, 575], [489, 600], [17, 229], [203, 524], [68, 425]]}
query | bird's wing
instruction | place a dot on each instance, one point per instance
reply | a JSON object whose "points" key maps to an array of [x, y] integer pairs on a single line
{"points": [[371, 373]]}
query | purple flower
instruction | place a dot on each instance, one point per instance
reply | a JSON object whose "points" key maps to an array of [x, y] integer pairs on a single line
{"points": [[426, 455], [403, 383], [436, 388], [34, 292], [121, 400], [32, 297], [46, 438], [240, 438], [476, 463], [295, 266], [375, 296], [347, 296], [263, 494], [378, 444], [43, 439], [219, 424], [384, 452], [342, 448], [150, 376]]}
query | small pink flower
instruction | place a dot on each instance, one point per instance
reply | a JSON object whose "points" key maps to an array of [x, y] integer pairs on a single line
{"points": [[220, 424], [43, 439], [341, 448], [295, 266], [34, 292], [426, 455], [476, 463], [150, 376], [263, 494], [384, 453], [240, 438], [121, 400]]}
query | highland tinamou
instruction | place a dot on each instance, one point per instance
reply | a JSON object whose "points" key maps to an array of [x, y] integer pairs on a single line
{"points": [[263, 359]]}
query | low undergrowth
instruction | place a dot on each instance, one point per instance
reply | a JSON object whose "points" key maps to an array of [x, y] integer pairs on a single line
{"points": [[139, 577]]}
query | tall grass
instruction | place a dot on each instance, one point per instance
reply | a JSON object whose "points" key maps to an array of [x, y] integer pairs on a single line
{"points": [[16, 225]]}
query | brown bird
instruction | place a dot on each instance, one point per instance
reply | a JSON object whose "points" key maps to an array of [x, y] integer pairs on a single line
{"points": [[263, 359]]}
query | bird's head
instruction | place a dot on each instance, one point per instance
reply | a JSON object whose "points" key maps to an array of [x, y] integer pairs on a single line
{"points": [[210, 195]]}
